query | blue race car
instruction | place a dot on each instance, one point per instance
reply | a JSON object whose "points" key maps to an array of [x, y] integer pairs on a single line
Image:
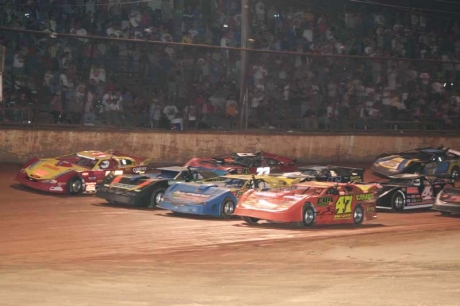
{"points": [[217, 197]]}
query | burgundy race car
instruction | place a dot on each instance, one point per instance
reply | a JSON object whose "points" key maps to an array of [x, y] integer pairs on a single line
{"points": [[245, 163]]}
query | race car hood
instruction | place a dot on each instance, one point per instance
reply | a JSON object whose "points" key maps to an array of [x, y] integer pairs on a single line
{"points": [[132, 182], [193, 193], [450, 196], [297, 175], [270, 201], [215, 164], [384, 189], [50, 168], [394, 162]]}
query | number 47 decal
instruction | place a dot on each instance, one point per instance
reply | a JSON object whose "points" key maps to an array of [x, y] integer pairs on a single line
{"points": [[343, 205]]}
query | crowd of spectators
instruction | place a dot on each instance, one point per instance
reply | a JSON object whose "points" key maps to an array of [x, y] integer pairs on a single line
{"points": [[404, 66]]}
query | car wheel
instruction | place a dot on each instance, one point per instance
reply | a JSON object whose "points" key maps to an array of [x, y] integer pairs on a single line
{"points": [[75, 185], [358, 215], [445, 213], [398, 201], [455, 172], [227, 208], [157, 196], [250, 220], [308, 217]]}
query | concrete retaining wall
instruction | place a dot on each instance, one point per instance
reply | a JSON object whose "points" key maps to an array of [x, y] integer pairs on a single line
{"points": [[19, 145]]}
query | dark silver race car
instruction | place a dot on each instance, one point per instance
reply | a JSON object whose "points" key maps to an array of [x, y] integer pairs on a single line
{"points": [[448, 201]]}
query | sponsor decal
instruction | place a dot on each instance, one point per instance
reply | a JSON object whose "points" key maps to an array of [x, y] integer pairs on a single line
{"points": [[370, 208], [123, 186], [364, 196], [355, 178], [57, 188], [193, 198], [139, 169], [40, 172], [412, 190], [342, 216], [325, 201], [91, 187]]}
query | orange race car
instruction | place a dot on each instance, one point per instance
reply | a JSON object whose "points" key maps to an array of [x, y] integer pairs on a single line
{"points": [[311, 203]]}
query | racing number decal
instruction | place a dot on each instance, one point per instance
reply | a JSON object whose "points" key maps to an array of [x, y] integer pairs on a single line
{"points": [[343, 207], [427, 193], [263, 170]]}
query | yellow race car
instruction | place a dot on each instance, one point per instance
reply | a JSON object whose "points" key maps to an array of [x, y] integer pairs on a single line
{"points": [[79, 172]]}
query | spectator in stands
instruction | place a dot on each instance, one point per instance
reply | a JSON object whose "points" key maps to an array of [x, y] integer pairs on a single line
{"points": [[310, 120], [116, 109], [155, 114], [170, 111], [89, 116], [104, 111], [19, 61], [56, 110], [231, 111]]}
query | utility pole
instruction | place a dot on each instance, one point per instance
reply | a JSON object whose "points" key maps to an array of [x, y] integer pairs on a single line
{"points": [[2, 68], [244, 64]]}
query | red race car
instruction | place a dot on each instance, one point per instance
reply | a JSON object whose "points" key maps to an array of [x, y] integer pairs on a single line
{"points": [[260, 163], [311, 203], [78, 172]]}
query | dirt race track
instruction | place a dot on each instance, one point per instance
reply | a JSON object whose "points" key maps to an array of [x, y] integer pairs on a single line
{"points": [[62, 250]]}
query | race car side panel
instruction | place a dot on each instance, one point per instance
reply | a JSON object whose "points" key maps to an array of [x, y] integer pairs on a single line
{"points": [[58, 184], [330, 209], [132, 193], [198, 199]]}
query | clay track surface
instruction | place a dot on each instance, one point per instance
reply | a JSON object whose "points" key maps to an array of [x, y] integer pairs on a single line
{"points": [[77, 250]]}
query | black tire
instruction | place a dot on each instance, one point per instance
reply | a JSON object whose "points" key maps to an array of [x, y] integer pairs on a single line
{"points": [[445, 213], [397, 201], [308, 217], [75, 185], [358, 215], [227, 208], [250, 220], [156, 196], [455, 173]]}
